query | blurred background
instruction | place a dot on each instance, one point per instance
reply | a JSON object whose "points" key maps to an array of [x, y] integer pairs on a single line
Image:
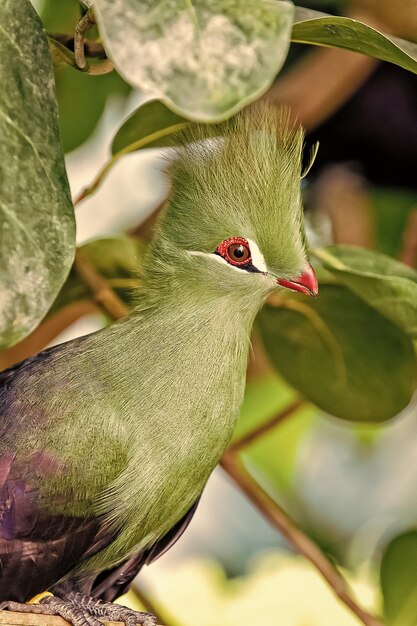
{"points": [[350, 487]]}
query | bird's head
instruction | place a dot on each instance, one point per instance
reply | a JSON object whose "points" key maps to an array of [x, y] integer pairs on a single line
{"points": [[234, 221]]}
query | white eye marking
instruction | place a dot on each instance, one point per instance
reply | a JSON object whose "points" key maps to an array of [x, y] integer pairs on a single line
{"points": [[257, 257]]}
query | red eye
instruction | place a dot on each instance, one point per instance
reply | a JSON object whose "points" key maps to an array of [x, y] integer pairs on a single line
{"points": [[235, 251]]}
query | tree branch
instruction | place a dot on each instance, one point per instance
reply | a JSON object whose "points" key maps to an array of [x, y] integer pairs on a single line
{"points": [[92, 48], [11, 618], [46, 332], [263, 429], [87, 21], [102, 292], [302, 543]]}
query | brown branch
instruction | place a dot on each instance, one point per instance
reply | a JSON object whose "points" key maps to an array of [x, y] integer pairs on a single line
{"points": [[102, 292], [87, 21], [10, 618], [145, 229], [300, 542], [92, 48], [62, 53], [323, 80], [46, 332], [408, 253], [263, 429]]}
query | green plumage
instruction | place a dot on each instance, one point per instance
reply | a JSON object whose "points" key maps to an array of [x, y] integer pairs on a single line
{"points": [[135, 417]]}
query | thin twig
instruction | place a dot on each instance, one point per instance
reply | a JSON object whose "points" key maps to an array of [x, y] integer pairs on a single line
{"points": [[46, 332], [102, 292], [92, 48], [263, 429], [136, 145], [87, 21], [302, 543], [61, 53]]}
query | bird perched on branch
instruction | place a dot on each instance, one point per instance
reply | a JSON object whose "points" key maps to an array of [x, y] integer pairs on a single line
{"points": [[107, 441]]}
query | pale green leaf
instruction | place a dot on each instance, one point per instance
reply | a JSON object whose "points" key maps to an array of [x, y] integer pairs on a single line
{"points": [[387, 285], [320, 29], [152, 125], [341, 354], [204, 60], [399, 580], [37, 235]]}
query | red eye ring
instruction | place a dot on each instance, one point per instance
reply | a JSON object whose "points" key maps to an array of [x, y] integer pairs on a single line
{"points": [[224, 251]]}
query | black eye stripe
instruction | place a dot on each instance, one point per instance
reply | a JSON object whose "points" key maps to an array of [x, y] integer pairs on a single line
{"points": [[249, 267]]}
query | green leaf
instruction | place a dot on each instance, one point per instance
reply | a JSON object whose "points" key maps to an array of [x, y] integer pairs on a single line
{"points": [[341, 354], [387, 285], [37, 220], [320, 29], [81, 97], [81, 102], [204, 60], [399, 580], [117, 259], [151, 126]]}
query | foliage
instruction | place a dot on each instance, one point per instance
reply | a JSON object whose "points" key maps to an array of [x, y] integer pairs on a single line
{"points": [[37, 220], [350, 354], [399, 579], [205, 60]]}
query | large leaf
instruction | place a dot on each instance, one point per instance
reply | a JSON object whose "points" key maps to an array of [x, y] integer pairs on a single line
{"points": [[341, 354], [152, 125], [37, 221], [399, 580], [206, 60], [314, 27], [387, 285]]}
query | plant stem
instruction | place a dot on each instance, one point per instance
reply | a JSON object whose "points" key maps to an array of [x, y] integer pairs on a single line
{"points": [[102, 292], [136, 145], [301, 542], [87, 21], [263, 429]]}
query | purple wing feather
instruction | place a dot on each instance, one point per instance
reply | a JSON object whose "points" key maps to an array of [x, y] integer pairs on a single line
{"points": [[38, 549], [112, 583]]}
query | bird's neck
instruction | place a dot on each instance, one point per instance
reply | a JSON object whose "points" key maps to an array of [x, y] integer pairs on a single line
{"points": [[196, 344], [182, 391]]}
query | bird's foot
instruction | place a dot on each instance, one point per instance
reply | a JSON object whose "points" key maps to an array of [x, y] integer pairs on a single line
{"points": [[82, 610]]}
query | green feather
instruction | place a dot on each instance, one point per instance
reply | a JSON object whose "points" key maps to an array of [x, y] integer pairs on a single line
{"points": [[140, 413]]}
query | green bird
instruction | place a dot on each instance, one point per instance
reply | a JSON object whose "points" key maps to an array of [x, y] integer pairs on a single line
{"points": [[107, 441]]}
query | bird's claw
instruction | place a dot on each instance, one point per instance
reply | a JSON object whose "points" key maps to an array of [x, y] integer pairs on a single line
{"points": [[82, 610]]}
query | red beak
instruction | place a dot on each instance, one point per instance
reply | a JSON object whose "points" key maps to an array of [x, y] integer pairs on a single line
{"points": [[306, 282]]}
